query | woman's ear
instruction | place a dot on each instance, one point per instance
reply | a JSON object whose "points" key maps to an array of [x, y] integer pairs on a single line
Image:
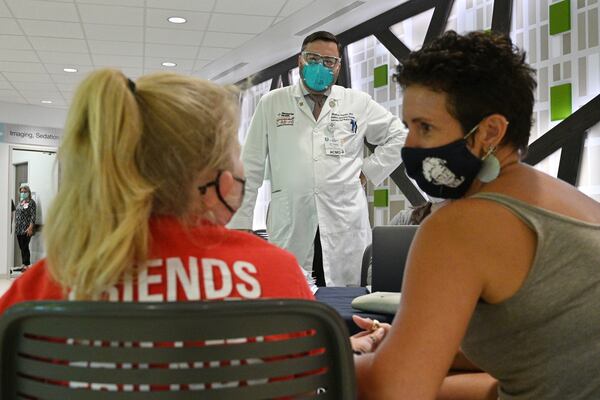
{"points": [[226, 182], [492, 130]]}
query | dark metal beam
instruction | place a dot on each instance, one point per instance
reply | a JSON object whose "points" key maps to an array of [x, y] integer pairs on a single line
{"points": [[275, 82], [502, 16], [557, 137], [282, 67], [344, 77], [384, 21], [405, 185], [393, 44], [437, 26], [570, 159], [285, 78]]}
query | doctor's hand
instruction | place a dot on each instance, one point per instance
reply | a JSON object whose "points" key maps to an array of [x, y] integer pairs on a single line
{"points": [[363, 179]]}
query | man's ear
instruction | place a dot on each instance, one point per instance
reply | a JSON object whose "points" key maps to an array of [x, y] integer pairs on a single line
{"points": [[492, 130]]}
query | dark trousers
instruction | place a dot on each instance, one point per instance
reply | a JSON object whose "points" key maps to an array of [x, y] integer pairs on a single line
{"points": [[317, 271], [24, 246]]}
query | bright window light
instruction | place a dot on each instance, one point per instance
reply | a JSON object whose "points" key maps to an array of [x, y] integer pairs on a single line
{"points": [[70, 69], [168, 64]]}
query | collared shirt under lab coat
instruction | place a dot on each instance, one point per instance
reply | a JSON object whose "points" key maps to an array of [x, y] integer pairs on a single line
{"points": [[311, 189]]}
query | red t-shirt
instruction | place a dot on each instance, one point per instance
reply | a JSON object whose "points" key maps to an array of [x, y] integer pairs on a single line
{"points": [[207, 262]]}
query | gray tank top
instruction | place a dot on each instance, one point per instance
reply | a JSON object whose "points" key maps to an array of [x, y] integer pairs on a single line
{"points": [[544, 342]]}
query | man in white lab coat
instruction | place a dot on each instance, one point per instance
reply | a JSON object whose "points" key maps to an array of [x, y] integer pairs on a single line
{"points": [[311, 135]]}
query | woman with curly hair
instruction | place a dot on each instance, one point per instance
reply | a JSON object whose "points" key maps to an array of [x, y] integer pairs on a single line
{"points": [[509, 270]]}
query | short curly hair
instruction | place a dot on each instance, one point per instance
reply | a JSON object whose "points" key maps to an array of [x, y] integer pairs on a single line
{"points": [[482, 73]]}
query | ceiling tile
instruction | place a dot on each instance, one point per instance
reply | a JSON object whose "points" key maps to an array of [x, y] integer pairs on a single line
{"points": [[4, 11], [193, 5], [9, 92], [155, 63], [177, 70], [127, 3], [91, 13], [52, 29], [158, 18], [210, 53], [27, 77], [56, 98], [9, 26], [250, 7], [278, 20], [132, 73], [220, 39], [117, 48], [12, 66], [184, 37], [18, 55], [69, 59], [239, 23], [14, 42], [163, 50], [32, 86], [5, 85], [105, 60], [294, 6], [70, 86], [57, 44], [13, 99], [72, 79], [114, 32], [44, 10]]}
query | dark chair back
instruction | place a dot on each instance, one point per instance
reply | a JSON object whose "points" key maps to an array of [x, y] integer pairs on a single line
{"points": [[255, 349], [366, 265], [390, 251]]}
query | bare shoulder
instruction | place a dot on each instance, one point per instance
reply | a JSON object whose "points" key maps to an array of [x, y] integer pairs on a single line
{"points": [[468, 216]]}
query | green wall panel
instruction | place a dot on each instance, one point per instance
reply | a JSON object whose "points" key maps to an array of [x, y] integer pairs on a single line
{"points": [[380, 198], [380, 76], [560, 17], [560, 102]]}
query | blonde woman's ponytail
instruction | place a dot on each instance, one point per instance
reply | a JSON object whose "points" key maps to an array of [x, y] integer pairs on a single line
{"points": [[97, 226]]}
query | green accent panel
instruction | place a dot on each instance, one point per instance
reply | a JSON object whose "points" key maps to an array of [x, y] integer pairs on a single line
{"points": [[380, 76], [380, 198], [560, 102], [560, 17]]}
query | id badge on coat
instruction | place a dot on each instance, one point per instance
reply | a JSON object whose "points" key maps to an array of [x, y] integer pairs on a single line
{"points": [[333, 147]]}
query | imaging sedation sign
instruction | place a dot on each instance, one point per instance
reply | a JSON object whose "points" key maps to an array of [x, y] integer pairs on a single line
{"points": [[31, 135]]}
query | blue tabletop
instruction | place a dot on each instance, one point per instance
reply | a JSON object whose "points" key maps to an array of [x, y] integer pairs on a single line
{"points": [[340, 298]]}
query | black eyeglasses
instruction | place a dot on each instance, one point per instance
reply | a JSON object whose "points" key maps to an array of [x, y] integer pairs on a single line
{"points": [[215, 183]]}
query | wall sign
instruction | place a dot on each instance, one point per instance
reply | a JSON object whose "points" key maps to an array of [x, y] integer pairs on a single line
{"points": [[31, 135]]}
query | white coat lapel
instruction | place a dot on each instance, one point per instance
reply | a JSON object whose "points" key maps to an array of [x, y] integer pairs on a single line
{"points": [[331, 102], [301, 102]]}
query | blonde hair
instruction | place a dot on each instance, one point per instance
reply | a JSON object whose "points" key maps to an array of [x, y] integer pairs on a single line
{"points": [[127, 154]]}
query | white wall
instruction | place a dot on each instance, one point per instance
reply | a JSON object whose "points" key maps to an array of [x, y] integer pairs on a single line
{"points": [[25, 114]]}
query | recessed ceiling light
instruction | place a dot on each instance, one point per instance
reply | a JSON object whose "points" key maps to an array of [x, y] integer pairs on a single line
{"points": [[169, 64], [70, 69], [46, 102], [177, 20]]}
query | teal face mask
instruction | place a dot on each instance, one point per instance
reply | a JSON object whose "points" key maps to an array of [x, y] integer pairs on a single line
{"points": [[317, 77], [23, 196]]}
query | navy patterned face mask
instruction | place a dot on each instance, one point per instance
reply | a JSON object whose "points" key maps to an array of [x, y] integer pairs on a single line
{"points": [[446, 171]]}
